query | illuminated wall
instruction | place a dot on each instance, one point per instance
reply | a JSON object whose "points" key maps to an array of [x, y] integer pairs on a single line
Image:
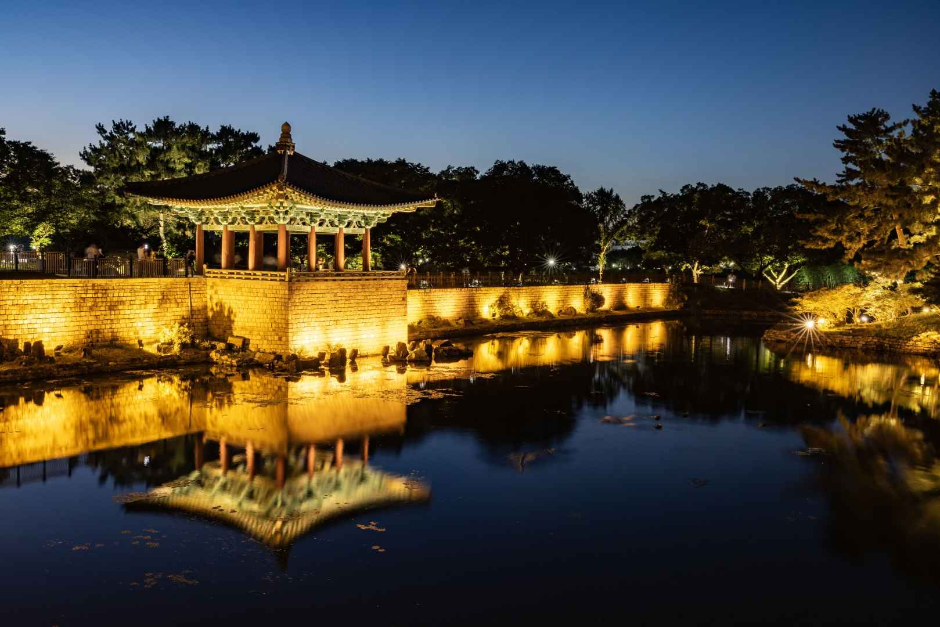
{"points": [[309, 316], [475, 302], [351, 312], [81, 311]]}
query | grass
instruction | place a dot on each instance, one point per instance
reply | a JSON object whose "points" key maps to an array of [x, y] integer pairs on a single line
{"points": [[905, 328]]}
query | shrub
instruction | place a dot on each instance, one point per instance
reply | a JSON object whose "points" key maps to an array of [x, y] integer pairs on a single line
{"points": [[540, 310], [503, 307], [882, 299], [592, 300], [174, 337]]}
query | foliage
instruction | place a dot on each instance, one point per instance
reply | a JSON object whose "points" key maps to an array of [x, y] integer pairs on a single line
{"points": [[814, 277], [504, 307], [883, 300], [592, 299], [540, 310], [694, 229], [175, 336], [40, 198], [886, 200], [161, 150], [613, 222]]}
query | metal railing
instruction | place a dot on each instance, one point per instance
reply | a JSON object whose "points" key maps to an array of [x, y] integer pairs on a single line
{"points": [[60, 264], [437, 280]]}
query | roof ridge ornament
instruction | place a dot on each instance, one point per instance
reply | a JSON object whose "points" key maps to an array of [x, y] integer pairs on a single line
{"points": [[285, 144]]}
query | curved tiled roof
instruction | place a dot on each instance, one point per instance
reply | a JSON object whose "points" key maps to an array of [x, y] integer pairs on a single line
{"points": [[315, 178]]}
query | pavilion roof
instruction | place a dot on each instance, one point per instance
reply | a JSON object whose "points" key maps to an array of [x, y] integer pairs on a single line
{"points": [[308, 181]]}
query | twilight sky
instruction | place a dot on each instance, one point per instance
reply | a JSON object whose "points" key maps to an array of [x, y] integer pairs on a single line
{"points": [[636, 96]]}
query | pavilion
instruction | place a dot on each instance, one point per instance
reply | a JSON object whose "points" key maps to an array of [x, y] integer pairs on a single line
{"points": [[283, 192]]}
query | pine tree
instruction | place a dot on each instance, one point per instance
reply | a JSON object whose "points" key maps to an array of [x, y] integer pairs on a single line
{"points": [[887, 219]]}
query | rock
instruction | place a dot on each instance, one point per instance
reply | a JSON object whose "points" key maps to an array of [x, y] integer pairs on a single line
{"points": [[291, 357], [27, 348], [419, 356], [353, 354], [385, 350], [658, 425], [56, 350], [338, 358], [265, 359], [568, 311], [321, 356], [655, 417], [236, 342], [86, 352], [451, 353], [311, 363], [413, 345], [38, 351], [446, 343]]}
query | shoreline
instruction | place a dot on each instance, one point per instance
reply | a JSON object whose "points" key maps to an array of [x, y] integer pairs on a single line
{"points": [[856, 339], [485, 327]]}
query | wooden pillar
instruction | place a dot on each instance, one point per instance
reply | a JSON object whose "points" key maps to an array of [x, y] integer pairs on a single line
{"points": [[312, 248], [200, 249], [223, 455], [367, 250], [227, 248], [250, 460], [311, 460], [283, 247], [339, 252], [338, 458], [253, 253], [281, 471], [365, 450]]}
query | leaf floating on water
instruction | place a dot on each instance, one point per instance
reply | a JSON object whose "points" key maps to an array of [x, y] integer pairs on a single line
{"points": [[150, 531], [81, 547], [698, 483], [371, 527], [126, 532], [812, 452], [183, 580], [153, 545], [377, 548]]}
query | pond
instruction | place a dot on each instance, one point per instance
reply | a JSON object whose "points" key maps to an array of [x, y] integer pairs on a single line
{"points": [[645, 473]]}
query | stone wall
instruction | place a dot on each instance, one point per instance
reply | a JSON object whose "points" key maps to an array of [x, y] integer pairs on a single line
{"points": [[476, 302], [309, 316], [355, 313], [254, 309], [81, 311]]}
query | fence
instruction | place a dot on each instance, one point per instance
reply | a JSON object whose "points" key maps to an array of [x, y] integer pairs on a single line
{"points": [[436, 280], [60, 264]]}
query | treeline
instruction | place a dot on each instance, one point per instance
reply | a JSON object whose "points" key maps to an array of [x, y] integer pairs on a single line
{"points": [[881, 214]]}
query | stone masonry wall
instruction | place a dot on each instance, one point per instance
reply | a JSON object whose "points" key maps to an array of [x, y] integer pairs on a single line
{"points": [[254, 309], [75, 312], [354, 313], [476, 302]]}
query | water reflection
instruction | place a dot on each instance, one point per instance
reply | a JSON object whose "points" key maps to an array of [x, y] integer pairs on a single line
{"points": [[881, 480], [276, 457]]}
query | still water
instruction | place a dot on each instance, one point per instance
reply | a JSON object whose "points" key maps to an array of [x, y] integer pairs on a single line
{"points": [[642, 473]]}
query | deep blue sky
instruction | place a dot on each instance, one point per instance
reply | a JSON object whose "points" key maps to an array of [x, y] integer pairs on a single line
{"points": [[630, 96]]}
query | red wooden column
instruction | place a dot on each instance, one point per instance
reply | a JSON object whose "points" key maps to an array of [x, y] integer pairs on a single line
{"points": [[200, 249], [367, 250], [339, 252], [338, 456], [280, 471], [250, 460], [228, 241], [311, 460], [283, 247], [223, 455], [312, 248], [254, 255]]}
